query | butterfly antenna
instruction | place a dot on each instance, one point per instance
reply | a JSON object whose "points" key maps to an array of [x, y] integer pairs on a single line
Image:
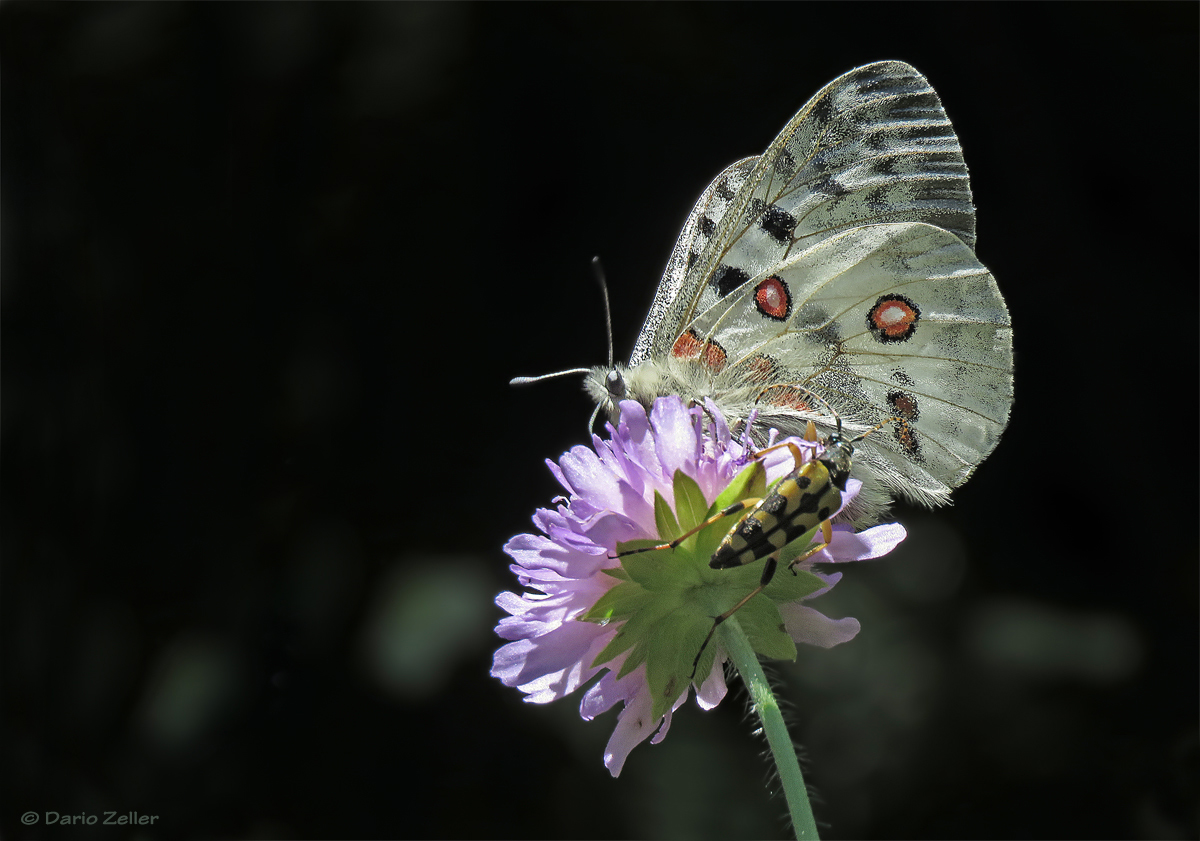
{"points": [[598, 271], [540, 377]]}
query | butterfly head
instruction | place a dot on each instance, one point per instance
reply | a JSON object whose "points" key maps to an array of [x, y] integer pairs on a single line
{"points": [[607, 385], [614, 383], [644, 382]]}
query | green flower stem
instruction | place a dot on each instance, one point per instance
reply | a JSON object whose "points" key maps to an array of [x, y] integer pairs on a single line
{"points": [[737, 645]]}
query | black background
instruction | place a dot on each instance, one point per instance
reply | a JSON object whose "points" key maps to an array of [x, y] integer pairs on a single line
{"points": [[266, 272]]}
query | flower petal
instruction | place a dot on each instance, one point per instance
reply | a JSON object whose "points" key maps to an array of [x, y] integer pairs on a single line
{"points": [[675, 436], [811, 627], [550, 666], [848, 545], [634, 725], [712, 691]]}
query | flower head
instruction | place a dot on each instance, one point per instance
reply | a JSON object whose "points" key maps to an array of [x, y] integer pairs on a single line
{"points": [[641, 618]]}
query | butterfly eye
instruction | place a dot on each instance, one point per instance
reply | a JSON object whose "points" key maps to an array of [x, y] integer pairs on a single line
{"points": [[615, 384]]}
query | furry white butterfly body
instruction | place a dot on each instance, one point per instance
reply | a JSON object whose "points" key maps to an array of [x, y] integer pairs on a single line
{"points": [[839, 264]]}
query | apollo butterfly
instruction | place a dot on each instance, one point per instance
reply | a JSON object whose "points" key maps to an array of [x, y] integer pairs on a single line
{"points": [[839, 263]]}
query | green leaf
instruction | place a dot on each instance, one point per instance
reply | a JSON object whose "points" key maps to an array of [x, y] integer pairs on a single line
{"points": [[664, 570], [763, 624], [690, 506], [632, 634], [664, 520], [641, 629], [622, 601], [790, 585], [670, 652], [751, 482]]}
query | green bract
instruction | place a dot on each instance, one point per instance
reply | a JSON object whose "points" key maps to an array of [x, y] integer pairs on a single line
{"points": [[669, 598]]}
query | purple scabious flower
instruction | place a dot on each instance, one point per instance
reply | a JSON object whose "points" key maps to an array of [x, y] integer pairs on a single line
{"points": [[641, 618]]}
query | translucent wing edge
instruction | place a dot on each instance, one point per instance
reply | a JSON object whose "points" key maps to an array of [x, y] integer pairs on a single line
{"points": [[674, 293]]}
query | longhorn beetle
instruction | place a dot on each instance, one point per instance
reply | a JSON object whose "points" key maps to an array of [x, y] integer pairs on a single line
{"points": [[802, 500]]}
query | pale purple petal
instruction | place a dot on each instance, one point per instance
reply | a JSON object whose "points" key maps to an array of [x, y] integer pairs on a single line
{"points": [[533, 551], [666, 725], [553, 665], [609, 529], [558, 474], [811, 627], [847, 545], [590, 478], [720, 429], [678, 445], [712, 691], [635, 433], [830, 578], [634, 724], [604, 693]]}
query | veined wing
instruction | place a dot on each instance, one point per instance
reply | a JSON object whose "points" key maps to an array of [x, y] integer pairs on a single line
{"points": [[873, 146]]}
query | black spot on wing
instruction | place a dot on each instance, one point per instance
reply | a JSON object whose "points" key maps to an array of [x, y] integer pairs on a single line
{"points": [[707, 226], [822, 110], [816, 325], [727, 278], [778, 224], [827, 185], [785, 165]]}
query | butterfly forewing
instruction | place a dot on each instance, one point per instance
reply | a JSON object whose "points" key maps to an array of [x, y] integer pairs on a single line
{"points": [[695, 237], [873, 146]]}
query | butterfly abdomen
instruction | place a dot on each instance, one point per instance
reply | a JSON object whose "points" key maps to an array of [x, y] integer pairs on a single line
{"points": [[799, 503]]}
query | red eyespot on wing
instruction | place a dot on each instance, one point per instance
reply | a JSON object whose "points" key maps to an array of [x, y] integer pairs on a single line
{"points": [[773, 298], [713, 356], [760, 368], [893, 319], [904, 405], [689, 346], [788, 398]]}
